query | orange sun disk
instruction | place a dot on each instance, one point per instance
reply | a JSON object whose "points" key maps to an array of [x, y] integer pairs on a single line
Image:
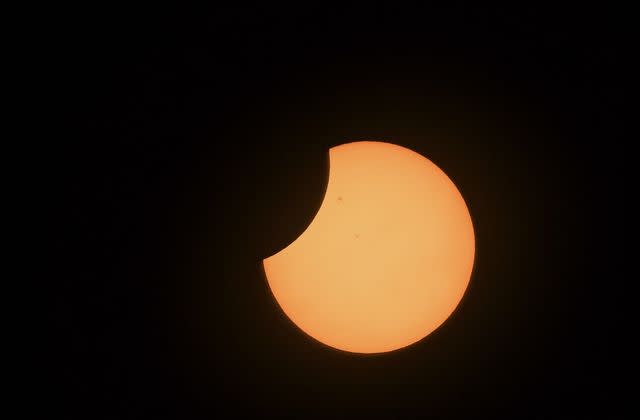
{"points": [[386, 259]]}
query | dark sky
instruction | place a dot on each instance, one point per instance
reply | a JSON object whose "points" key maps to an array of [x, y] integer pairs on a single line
{"points": [[200, 147]]}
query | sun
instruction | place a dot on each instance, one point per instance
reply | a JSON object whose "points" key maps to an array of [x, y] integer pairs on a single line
{"points": [[386, 259]]}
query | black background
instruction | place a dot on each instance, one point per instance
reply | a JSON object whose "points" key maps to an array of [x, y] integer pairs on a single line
{"points": [[200, 147]]}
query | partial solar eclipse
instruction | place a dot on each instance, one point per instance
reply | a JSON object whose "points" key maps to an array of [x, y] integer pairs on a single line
{"points": [[386, 259]]}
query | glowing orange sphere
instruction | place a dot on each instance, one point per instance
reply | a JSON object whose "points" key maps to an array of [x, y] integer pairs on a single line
{"points": [[386, 259]]}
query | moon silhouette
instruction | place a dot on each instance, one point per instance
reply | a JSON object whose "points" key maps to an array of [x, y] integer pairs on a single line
{"points": [[386, 259]]}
